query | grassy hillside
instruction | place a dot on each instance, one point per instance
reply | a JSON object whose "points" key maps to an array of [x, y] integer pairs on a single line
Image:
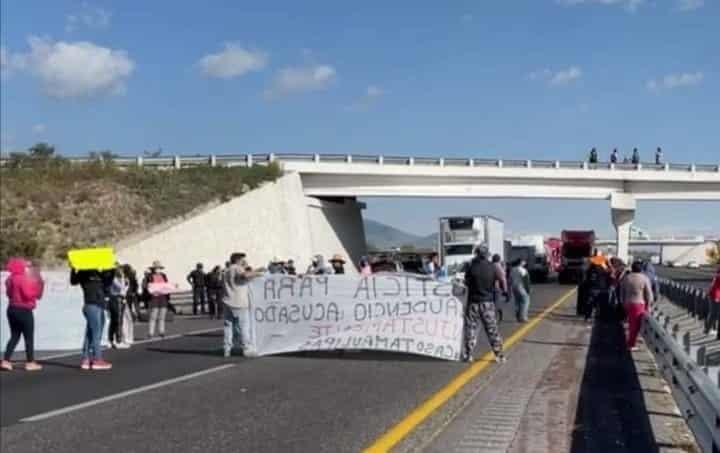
{"points": [[48, 205]]}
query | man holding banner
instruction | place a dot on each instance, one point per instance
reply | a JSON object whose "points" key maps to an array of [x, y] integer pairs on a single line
{"points": [[236, 301]]}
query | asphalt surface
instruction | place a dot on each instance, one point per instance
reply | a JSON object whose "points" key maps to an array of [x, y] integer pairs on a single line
{"points": [[324, 402]]}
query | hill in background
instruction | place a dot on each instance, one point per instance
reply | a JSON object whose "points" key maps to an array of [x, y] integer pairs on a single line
{"points": [[384, 237]]}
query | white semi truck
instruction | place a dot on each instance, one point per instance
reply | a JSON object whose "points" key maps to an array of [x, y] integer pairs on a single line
{"points": [[531, 248], [459, 236]]}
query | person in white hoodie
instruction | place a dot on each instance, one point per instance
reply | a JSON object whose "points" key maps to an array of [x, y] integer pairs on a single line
{"points": [[520, 282], [116, 306], [236, 299]]}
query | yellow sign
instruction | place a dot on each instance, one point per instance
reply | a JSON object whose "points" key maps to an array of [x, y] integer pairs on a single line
{"points": [[97, 258]]}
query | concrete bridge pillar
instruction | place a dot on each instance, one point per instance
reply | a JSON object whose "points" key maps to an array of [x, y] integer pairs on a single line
{"points": [[622, 208]]}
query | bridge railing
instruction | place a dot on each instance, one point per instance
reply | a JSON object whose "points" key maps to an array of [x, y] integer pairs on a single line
{"points": [[179, 161], [688, 359]]}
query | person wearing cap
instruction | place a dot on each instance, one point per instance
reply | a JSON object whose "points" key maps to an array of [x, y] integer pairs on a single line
{"points": [[319, 267], [158, 303], [236, 300], [197, 280], [276, 266], [338, 264], [481, 278]]}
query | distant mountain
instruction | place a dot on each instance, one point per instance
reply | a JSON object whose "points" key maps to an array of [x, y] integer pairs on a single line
{"points": [[383, 237]]}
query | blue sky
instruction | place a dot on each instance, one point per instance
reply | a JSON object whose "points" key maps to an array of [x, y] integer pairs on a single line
{"points": [[521, 79]]}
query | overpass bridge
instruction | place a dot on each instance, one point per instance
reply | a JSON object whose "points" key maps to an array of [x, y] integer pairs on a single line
{"points": [[347, 176]]}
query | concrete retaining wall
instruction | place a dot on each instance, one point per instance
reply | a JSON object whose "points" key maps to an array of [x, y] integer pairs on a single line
{"points": [[273, 220], [683, 254]]}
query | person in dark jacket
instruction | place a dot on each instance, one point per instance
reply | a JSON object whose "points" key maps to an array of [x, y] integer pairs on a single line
{"points": [[196, 279], [95, 286], [290, 268], [214, 292], [595, 290], [482, 278], [132, 297]]}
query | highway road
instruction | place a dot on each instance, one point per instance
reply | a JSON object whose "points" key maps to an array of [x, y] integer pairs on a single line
{"points": [[181, 395]]}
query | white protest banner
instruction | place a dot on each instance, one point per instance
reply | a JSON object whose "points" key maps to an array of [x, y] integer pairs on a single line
{"points": [[390, 312]]}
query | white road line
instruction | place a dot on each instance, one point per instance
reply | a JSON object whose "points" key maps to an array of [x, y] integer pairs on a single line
{"points": [[149, 340], [116, 396]]}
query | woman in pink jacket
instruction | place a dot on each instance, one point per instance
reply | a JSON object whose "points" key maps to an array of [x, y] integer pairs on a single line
{"points": [[711, 326], [24, 287]]}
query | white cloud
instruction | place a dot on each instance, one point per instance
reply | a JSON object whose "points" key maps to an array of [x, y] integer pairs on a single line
{"points": [[567, 76], [672, 81], [557, 78], [39, 129], [301, 79], [76, 69], [232, 61], [88, 16], [690, 5], [629, 5]]}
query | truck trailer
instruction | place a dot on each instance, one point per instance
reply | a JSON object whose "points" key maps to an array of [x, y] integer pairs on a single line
{"points": [[577, 248], [460, 236]]}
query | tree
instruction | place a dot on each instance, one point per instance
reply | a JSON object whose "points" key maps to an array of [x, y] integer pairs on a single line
{"points": [[713, 253], [41, 151], [407, 248]]}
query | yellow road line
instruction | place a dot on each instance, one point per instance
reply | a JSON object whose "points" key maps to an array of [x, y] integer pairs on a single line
{"points": [[398, 432]]}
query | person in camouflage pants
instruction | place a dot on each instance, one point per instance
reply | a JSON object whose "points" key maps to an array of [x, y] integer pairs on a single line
{"points": [[475, 315], [483, 280]]}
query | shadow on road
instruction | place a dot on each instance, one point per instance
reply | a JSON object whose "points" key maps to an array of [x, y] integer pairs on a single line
{"points": [[611, 415]]}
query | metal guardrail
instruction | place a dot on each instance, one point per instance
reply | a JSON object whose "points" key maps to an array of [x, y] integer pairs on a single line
{"points": [[181, 161], [688, 359]]}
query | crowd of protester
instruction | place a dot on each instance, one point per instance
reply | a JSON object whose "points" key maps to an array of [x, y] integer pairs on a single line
{"points": [[612, 290], [609, 288]]}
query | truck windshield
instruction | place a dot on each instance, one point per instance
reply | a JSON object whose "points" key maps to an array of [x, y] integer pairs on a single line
{"points": [[464, 249]]}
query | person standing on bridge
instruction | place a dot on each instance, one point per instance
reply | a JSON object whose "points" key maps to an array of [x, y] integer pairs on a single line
{"points": [[636, 295], [236, 299], [197, 280], [712, 324], [635, 156], [614, 156], [23, 287], [593, 156], [658, 156], [481, 278]]}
